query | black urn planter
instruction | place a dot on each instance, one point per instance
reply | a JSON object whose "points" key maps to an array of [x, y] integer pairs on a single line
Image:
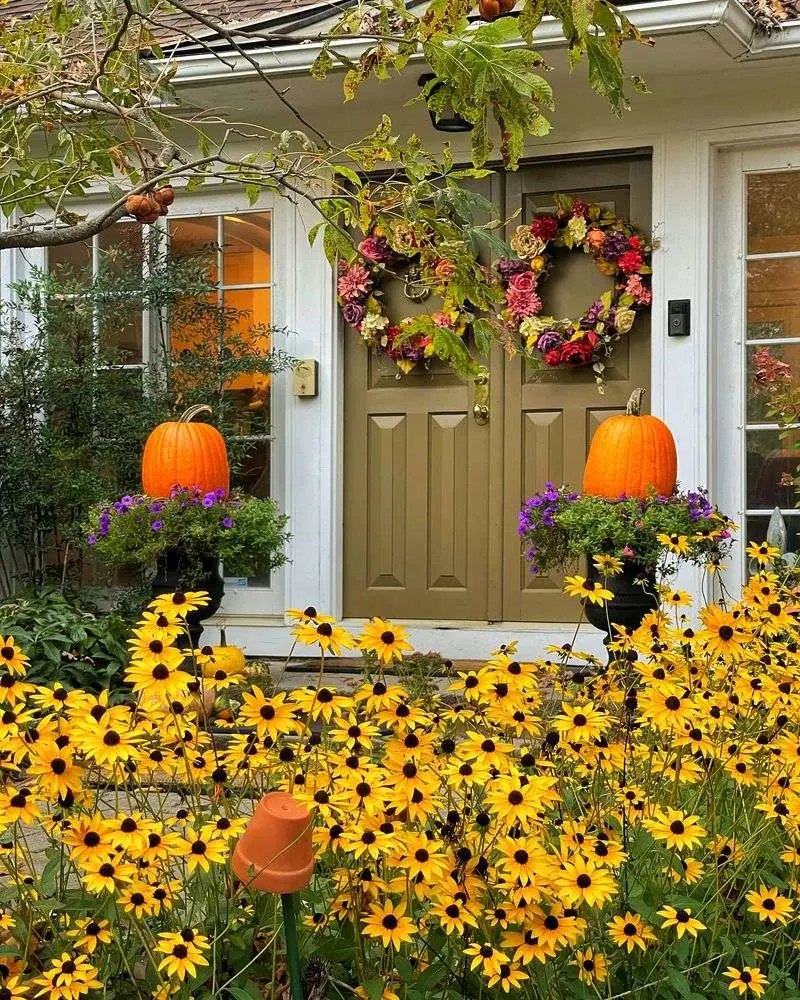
{"points": [[171, 577], [634, 591]]}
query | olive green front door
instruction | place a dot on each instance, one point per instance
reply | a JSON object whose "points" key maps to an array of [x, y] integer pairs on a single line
{"points": [[432, 489]]}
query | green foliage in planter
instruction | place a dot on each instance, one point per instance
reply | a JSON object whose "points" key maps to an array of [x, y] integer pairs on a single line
{"points": [[77, 410], [559, 528], [247, 533], [68, 639]]}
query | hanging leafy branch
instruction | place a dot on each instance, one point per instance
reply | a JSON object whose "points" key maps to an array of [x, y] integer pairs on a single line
{"points": [[88, 97]]}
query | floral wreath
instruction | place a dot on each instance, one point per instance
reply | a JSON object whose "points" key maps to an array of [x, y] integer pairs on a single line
{"points": [[413, 339], [617, 249]]}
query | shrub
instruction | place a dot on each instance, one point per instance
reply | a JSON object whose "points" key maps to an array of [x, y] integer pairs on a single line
{"points": [[68, 639]]}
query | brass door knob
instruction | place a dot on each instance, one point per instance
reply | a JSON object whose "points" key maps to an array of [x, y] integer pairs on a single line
{"points": [[481, 413]]}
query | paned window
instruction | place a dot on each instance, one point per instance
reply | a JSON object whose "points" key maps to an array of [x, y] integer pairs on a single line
{"points": [[772, 321]]}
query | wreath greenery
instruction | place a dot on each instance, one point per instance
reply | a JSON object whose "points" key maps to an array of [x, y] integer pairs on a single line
{"points": [[412, 340], [466, 288], [618, 250]]}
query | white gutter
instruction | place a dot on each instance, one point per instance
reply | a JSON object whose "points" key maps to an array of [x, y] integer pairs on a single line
{"points": [[724, 20]]}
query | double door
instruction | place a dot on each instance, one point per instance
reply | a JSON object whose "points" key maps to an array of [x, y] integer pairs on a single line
{"points": [[434, 484]]}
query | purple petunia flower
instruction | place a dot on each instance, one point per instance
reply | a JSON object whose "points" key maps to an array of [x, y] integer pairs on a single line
{"points": [[209, 500], [157, 525], [91, 539], [156, 507], [227, 522], [219, 493]]}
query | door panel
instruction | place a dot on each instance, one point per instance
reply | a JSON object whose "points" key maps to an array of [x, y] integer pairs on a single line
{"points": [[431, 497], [416, 494], [551, 416]]}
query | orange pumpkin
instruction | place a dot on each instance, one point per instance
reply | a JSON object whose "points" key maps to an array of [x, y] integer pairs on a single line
{"points": [[180, 453], [631, 454]]}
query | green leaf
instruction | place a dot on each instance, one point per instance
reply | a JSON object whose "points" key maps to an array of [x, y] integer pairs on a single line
{"points": [[47, 880], [374, 988], [483, 335]]}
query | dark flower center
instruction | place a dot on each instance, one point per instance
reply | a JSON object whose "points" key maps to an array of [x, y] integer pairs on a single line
{"points": [[389, 921], [325, 629], [387, 637], [725, 633], [156, 646], [106, 870], [160, 672], [630, 930], [111, 739], [677, 827], [583, 881], [579, 720], [673, 703]]}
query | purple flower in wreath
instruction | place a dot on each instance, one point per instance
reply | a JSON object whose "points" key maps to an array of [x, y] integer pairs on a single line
{"points": [[548, 340], [593, 314], [507, 267], [353, 313], [614, 245], [227, 522]]}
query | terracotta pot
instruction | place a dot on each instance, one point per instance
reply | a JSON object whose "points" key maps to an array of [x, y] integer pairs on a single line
{"points": [[274, 852]]}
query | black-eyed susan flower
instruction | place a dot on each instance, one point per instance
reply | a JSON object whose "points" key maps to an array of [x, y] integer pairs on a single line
{"points": [[271, 717], [388, 922], [682, 920], [484, 956], [330, 638], [106, 875], [608, 565], [200, 853], [589, 590], [677, 544], [677, 598], [721, 634], [581, 723], [18, 805], [158, 681], [675, 828], [591, 965], [137, 899], [13, 988], [583, 881], [12, 657], [183, 951], [763, 553], [630, 931], [67, 978], [386, 639], [307, 615], [89, 933], [769, 906], [180, 603], [748, 978], [507, 976]]}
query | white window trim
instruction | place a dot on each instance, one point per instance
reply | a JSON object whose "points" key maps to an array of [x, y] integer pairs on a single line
{"points": [[729, 370]]}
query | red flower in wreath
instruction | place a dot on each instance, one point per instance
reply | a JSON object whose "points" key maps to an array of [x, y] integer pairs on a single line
{"points": [[552, 358], [577, 352], [544, 227], [630, 262]]}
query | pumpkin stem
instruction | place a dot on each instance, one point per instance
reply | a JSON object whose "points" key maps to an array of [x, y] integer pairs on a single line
{"points": [[193, 411], [222, 639], [634, 407]]}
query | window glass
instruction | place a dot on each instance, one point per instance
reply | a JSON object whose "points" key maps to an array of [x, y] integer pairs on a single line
{"points": [[773, 212], [773, 327], [242, 259]]}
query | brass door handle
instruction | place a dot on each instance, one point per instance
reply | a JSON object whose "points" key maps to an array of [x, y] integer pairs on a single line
{"points": [[480, 409]]}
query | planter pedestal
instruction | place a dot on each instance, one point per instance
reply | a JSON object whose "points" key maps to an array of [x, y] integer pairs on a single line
{"points": [[171, 577], [631, 602]]}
